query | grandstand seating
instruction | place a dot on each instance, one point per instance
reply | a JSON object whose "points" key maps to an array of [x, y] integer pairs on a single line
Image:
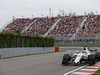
{"points": [[41, 26], [65, 28], [18, 24], [91, 27]]}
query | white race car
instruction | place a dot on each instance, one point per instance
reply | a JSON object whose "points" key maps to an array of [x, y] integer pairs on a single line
{"points": [[88, 56]]}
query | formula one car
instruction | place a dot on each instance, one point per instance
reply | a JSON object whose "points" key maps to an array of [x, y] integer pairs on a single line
{"points": [[88, 56]]}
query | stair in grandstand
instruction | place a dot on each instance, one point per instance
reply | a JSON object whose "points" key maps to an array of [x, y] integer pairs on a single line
{"points": [[79, 27], [53, 26], [28, 26]]}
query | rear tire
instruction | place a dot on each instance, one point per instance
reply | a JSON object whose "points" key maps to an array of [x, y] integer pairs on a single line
{"points": [[98, 56], [91, 59]]}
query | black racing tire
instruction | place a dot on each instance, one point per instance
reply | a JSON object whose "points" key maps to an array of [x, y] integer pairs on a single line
{"points": [[98, 56], [64, 62], [91, 59], [66, 58]]}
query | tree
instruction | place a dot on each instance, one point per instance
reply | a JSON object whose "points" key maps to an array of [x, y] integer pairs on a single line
{"points": [[18, 32]]}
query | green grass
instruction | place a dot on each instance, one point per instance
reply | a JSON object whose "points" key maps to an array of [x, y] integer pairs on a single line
{"points": [[97, 72], [33, 54]]}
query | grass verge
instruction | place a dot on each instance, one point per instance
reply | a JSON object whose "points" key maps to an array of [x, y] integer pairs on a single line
{"points": [[97, 72], [33, 54]]}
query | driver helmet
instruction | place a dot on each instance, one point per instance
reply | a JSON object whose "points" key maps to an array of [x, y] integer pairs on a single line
{"points": [[84, 51]]}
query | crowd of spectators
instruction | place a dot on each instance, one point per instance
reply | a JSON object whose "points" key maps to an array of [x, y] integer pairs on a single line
{"points": [[66, 27], [91, 27], [41, 26], [18, 24]]}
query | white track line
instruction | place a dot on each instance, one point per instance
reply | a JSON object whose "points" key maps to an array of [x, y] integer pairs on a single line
{"points": [[81, 73], [74, 70]]}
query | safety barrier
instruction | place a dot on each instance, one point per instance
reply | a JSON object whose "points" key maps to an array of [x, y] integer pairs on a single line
{"points": [[10, 52]]}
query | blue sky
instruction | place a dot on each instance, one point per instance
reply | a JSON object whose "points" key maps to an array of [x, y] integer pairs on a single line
{"points": [[27, 8]]}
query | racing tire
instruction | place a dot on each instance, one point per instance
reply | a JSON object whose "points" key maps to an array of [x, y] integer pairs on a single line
{"points": [[98, 56], [66, 58], [91, 59], [64, 62]]}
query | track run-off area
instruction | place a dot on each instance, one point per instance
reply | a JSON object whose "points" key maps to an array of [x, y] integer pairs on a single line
{"points": [[43, 64]]}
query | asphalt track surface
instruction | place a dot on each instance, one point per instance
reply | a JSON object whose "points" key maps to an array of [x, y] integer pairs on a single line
{"points": [[44, 64]]}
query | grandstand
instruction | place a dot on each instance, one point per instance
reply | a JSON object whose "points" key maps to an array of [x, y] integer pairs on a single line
{"points": [[66, 27], [40, 26], [18, 24], [92, 27]]}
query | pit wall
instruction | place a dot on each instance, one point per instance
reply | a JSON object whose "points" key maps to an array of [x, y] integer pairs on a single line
{"points": [[10, 52]]}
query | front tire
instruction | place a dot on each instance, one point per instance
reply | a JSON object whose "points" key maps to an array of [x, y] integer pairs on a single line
{"points": [[66, 58]]}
